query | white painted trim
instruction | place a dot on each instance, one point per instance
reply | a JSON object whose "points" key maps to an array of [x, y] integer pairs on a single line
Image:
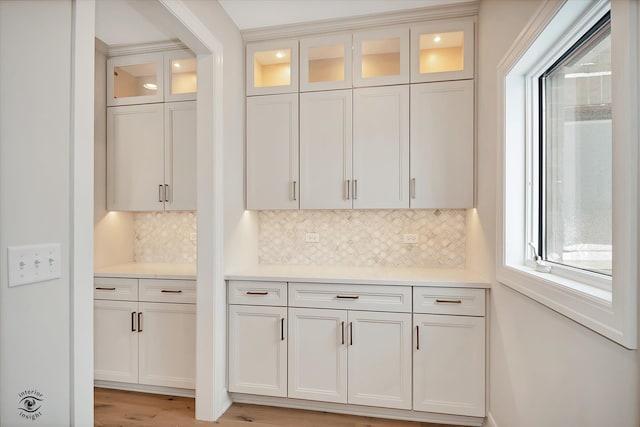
{"points": [[363, 411], [137, 49], [81, 209], [491, 422], [615, 316], [168, 391], [363, 22]]}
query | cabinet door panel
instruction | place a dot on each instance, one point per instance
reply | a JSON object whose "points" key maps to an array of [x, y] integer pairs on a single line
{"points": [[272, 152], [135, 157], [442, 144], [381, 147], [325, 150], [449, 366], [318, 355], [257, 350], [167, 343], [115, 351], [180, 155], [380, 359]]}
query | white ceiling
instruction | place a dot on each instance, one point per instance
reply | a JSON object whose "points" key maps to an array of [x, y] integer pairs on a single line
{"points": [[250, 14], [118, 22]]}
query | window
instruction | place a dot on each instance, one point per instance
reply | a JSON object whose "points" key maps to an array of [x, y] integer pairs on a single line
{"points": [[574, 219], [570, 164]]}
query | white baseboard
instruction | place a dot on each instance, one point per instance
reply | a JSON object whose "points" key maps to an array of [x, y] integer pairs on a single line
{"points": [[491, 422]]}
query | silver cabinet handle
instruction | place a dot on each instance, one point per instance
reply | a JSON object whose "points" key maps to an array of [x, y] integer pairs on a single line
{"points": [[257, 293], [171, 291], [347, 296], [355, 189], [417, 337], [160, 196], [350, 333], [293, 190], [412, 189], [449, 301], [166, 192], [140, 322], [282, 329], [105, 289], [342, 331], [133, 321], [346, 189]]}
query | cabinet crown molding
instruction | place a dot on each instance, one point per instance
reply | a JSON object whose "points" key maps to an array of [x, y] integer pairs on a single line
{"points": [[459, 10], [135, 49]]}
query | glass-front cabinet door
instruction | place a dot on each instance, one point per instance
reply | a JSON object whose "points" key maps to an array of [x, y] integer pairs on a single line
{"points": [[442, 51], [272, 67], [381, 57], [325, 63], [134, 79], [181, 81]]}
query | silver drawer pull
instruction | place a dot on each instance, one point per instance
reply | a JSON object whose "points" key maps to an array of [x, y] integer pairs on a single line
{"points": [[105, 289], [171, 291], [257, 293], [347, 296], [449, 301]]}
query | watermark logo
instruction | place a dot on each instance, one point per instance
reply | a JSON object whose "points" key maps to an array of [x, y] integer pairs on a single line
{"points": [[30, 404]]}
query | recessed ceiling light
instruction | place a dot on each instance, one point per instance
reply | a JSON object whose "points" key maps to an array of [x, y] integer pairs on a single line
{"points": [[176, 64], [150, 86], [437, 39], [279, 55]]}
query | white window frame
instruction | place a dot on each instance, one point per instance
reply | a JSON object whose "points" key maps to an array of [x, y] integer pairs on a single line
{"points": [[605, 305]]}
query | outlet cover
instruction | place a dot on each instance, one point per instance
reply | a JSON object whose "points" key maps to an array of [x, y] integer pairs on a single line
{"points": [[410, 238], [312, 237]]}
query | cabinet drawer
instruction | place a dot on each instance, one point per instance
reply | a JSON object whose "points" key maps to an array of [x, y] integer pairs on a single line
{"points": [[350, 297], [257, 293], [164, 290], [457, 301], [117, 289]]}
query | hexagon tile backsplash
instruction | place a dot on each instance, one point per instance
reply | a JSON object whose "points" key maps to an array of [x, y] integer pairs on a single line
{"points": [[364, 238], [165, 237]]}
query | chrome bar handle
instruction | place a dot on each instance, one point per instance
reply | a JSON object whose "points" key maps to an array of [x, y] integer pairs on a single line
{"points": [[347, 183], [166, 192], [133, 321], [412, 188], [160, 196], [293, 193], [171, 291], [105, 289], [448, 301], [282, 329], [140, 322], [417, 337], [355, 189]]}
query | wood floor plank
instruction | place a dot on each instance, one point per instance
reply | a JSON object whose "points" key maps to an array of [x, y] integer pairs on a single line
{"points": [[116, 408]]}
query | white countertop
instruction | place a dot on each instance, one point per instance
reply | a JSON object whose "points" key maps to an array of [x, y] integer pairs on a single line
{"points": [[363, 275], [148, 271]]}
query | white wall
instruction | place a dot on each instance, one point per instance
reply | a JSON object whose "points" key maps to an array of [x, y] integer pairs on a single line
{"points": [[35, 135], [545, 370], [113, 231]]}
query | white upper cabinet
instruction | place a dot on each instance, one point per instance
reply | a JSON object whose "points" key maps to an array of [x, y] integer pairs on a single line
{"points": [[381, 57], [180, 156], [181, 77], [442, 50], [381, 148], [272, 67], [325, 63], [272, 152], [442, 145], [151, 77], [325, 149]]}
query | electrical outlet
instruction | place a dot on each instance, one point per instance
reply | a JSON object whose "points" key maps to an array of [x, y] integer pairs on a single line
{"points": [[410, 238], [312, 237]]}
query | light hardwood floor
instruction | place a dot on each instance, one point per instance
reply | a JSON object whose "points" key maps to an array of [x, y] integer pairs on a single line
{"points": [[129, 409]]}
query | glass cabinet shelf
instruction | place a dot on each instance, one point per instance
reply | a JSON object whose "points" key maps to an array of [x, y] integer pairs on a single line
{"points": [[325, 63], [381, 57], [272, 68]]}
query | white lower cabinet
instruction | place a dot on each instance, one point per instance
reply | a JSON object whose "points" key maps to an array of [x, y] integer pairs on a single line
{"points": [[145, 343], [258, 350]]}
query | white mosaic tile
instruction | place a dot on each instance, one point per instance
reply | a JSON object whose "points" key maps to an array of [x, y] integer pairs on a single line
{"points": [[164, 237], [364, 238]]}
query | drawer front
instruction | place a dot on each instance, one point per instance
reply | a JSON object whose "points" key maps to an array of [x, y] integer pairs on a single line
{"points": [[165, 290], [116, 289], [257, 293], [456, 301], [351, 297]]}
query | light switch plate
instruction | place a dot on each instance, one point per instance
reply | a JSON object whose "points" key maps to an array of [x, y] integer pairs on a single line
{"points": [[33, 264]]}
